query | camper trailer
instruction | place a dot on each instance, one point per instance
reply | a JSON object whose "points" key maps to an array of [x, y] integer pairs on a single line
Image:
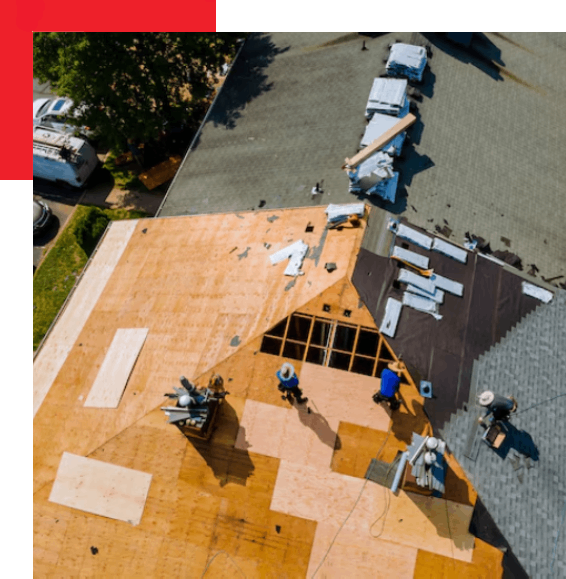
{"points": [[61, 158]]}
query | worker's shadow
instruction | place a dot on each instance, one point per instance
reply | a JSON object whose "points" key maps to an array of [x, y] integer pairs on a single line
{"points": [[517, 440], [229, 464], [319, 425]]}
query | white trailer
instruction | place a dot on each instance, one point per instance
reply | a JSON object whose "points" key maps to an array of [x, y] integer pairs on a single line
{"points": [[61, 158]]}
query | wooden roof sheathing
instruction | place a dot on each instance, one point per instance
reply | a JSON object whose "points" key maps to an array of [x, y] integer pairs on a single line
{"points": [[206, 291]]}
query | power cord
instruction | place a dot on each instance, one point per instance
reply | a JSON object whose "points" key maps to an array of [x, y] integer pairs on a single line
{"points": [[229, 557], [351, 510]]}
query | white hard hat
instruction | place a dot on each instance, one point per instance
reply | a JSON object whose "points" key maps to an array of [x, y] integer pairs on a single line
{"points": [[432, 443], [186, 400], [287, 369], [486, 398]]}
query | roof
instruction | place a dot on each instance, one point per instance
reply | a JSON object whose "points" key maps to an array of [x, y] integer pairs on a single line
{"points": [[275, 483], [524, 485], [292, 110], [442, 351], [206, 292]]}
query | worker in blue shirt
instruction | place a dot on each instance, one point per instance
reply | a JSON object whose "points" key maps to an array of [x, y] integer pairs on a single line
{"points": [[389, 387], [289, 384]]}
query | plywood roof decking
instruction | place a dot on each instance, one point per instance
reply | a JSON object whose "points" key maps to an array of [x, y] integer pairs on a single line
{"points": [[100, 488], [183, 279], [116, 368], [61, 339], [211, 500]]}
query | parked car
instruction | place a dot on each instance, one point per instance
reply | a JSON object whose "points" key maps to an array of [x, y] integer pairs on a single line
{"points": [[41, 217], [54, 114]]}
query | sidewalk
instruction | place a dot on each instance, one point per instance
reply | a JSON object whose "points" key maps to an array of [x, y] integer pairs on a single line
{"points": [[106, 195], [116, 198]]}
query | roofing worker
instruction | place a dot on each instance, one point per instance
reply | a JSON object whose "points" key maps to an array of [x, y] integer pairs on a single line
{"points": [[497, 407], [389, 387], [289, 384]]}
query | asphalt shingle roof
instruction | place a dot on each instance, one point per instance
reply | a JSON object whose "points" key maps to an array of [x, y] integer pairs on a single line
{"points": [[484, 154], [524, 486]]}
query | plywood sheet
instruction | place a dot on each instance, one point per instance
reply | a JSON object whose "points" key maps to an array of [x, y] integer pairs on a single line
{"points": [[118, 364], [57, 346], [292, 434], [100, 488], [431, 524], [372, 510], [313, 493], [355, 554], [345, 396]]}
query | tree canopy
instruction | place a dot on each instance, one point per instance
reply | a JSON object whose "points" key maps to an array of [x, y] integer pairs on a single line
{"points": [[131, 85]]}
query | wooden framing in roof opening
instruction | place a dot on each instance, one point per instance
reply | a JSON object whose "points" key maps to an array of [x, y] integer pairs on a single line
{"points": [[329, 342]]}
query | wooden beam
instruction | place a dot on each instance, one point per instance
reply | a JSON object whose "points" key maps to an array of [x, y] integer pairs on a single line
{"points": [[401, 126]]}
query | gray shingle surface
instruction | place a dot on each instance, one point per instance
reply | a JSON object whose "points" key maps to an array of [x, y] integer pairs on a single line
{"points": [[487, 143], [524, 496]]}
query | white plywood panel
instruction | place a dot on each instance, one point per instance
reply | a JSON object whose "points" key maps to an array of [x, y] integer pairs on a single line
{"points": [[279, 432], [116, 368], [54, 351], [344, 396], [100, 488]]}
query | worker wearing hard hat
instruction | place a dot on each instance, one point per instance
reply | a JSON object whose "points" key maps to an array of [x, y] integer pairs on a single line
{"points": [[289, 384]]}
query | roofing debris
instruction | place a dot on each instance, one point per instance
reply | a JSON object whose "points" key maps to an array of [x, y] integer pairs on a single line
{"points": [[426, 457], [421, 304], [339, 212], [391, 317], [295, 253], [371, 170], [407, 60], [537, 292], [424, 292]]}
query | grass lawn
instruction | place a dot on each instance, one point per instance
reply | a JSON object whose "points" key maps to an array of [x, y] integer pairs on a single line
{"points": [[57, 274]]}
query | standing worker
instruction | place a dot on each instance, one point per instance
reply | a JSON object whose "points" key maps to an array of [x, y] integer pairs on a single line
{"points": [[289, 384]]}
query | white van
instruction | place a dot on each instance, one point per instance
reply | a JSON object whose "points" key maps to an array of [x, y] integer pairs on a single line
{"points": [[61, 158]]}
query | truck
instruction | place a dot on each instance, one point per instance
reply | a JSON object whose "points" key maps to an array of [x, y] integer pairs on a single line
{"points": [[62, 158]]}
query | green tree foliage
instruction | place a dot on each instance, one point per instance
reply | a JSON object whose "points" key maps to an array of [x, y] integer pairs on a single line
{"points": [[132, 84]]}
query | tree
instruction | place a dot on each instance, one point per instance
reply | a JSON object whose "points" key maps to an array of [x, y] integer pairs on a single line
{"points": [[131, 85]]}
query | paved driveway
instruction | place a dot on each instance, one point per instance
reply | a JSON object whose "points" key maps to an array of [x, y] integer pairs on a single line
{"points": [[61, 212]]}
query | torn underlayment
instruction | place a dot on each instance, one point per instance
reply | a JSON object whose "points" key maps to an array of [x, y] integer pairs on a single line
{"points": [[411, 257], [537, 292], [450, 250], [391, 317], [421, 304], [296, 253]]}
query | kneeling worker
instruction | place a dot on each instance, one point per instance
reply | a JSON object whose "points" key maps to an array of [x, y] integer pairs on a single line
{"points": [[388, 390]]}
